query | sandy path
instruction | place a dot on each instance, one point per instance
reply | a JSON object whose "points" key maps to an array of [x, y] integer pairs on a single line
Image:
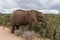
{"points": [[6, 35]]}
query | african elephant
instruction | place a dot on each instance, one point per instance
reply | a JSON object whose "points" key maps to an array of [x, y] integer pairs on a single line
{"points": [[21, 17]]}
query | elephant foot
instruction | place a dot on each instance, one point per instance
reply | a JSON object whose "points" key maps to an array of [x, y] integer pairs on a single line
{"points": [[12, 31]]}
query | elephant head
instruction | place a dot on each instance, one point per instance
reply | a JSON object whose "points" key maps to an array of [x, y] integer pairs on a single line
{"points": [[40, 17]]}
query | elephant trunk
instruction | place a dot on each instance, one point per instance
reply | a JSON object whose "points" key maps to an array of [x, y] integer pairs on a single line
{"points": [[43, 23]]}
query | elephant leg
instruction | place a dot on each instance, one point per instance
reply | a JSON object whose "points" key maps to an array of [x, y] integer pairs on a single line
{"points": [[13, 28], [31, 26], [17, 27]]}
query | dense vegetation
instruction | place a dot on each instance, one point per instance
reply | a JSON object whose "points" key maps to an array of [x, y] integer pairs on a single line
{"points": [[4, 19], [52, 29]]}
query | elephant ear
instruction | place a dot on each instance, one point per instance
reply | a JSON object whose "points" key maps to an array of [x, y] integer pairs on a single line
{"points": [[33, 15]]}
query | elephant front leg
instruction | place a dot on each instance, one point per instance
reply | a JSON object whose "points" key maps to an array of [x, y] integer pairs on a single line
{"points": [[31, 26], [13, 28]]}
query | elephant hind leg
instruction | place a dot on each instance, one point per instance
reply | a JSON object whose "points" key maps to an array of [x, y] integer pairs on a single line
{"points": [[13, 28], [17, 27]]}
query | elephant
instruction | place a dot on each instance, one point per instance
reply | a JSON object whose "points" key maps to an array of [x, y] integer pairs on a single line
{"points": [[22, 17]]}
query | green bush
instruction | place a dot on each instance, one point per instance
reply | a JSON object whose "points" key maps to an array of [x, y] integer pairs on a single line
{"points": [[4, 19]]}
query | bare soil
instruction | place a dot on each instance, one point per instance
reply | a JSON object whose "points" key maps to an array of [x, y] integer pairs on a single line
{"points": [[5, 34]]}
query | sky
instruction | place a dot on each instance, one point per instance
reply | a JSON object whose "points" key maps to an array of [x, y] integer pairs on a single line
{"points": [[43, 5]]}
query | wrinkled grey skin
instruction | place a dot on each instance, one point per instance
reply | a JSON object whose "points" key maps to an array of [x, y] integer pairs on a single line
{"points": [[21, 17]]}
